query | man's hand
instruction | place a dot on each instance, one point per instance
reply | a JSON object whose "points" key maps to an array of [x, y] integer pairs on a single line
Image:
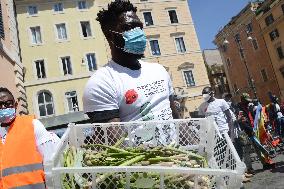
{"points": [[242, 118], [175, 112]]}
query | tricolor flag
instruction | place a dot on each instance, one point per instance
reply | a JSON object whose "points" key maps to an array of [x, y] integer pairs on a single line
{"points": [[259, 127]]}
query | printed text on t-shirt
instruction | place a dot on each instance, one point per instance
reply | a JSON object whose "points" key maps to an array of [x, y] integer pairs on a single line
{"points": [[153, 88]]}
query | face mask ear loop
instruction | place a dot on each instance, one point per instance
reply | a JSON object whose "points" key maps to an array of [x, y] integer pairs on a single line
{"points": [[113, 42], [115, 32], [125, 31], [117, 46]]}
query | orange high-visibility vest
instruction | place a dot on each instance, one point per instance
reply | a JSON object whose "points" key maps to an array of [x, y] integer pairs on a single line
{"points": [[21, 165]]}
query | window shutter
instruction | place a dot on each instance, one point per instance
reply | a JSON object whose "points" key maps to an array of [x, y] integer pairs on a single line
{"points": [[1, 23]]}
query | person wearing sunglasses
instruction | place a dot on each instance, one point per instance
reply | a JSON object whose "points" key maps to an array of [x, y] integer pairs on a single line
{"points": [[24, 147]]}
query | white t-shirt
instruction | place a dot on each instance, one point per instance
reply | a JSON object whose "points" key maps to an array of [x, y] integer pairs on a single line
{"points": [[216, 110], [46, 142], [278, 110], [139, 95]]}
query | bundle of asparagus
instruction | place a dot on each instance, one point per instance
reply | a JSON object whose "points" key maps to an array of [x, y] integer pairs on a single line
{"points": [[170, 156]]}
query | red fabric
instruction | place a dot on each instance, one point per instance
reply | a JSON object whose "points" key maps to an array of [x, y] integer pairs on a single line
{"points": [[251, 119]]}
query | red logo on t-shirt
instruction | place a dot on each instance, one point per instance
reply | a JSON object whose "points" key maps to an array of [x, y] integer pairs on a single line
{"points": [[130, 96]]}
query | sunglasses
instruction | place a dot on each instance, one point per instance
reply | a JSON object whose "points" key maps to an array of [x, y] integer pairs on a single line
{"points": [[7, 104]]}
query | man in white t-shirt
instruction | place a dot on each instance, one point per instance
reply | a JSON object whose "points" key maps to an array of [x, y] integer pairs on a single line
{"points": [[218, 109], [126, 88]]}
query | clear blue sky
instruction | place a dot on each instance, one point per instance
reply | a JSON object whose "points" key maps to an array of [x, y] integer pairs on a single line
{"points": [[210, 15]]}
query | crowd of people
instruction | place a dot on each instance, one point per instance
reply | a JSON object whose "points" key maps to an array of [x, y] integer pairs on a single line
{"points": [[128, 89], [125, 89], [253, 127]]}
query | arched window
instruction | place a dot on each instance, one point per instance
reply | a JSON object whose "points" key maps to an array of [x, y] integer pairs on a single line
{"points": [[45, 104]]}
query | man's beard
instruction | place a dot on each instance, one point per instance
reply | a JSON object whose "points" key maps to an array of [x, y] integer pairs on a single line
{"points": [[134, 56]]}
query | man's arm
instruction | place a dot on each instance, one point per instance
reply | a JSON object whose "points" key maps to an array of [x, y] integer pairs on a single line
{"points": [[175, 112], [229, 116], [104, 116]]}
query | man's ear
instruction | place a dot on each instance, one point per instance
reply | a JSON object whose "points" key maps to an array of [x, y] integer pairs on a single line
{"points": [[16, 104]]}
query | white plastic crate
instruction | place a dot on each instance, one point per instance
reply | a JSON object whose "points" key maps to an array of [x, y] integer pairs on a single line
{"points": [[225, 167]]}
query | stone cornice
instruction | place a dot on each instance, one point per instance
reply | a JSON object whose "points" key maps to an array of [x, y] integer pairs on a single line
{"points": [[57, 79]]}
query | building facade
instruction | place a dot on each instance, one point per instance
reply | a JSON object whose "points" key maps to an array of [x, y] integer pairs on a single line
{"points": [[61, 46], [172, 42], [216, 72], [11, 68], [270, 17], [247, 62]]}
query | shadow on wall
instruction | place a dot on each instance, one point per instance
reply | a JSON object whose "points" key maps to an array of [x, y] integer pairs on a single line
{"points": [[49, 6]]}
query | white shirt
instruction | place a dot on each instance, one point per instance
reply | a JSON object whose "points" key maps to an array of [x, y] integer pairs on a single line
{"points": [[278, 110], [139, 95], [216, 109], [46, 142]]}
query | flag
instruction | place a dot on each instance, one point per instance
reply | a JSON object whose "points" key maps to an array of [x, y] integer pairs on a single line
{"points": [[259, 127]]}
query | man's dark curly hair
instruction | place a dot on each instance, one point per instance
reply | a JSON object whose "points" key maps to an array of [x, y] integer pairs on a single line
{"points": [[108, 18]]}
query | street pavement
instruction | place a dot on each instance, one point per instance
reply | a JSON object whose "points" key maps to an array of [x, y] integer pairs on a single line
{"points": [[268, 179]]}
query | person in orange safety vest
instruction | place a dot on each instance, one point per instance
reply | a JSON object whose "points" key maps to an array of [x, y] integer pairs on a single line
{"points": [[24, 147]]}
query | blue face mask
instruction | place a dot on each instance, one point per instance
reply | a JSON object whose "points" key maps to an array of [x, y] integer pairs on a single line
{"points": [[7, 115], [134, 41]]}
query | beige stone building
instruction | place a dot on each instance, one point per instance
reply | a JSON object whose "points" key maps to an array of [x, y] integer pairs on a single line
{"points": [[11, 68], [62, 45], [270, 17], [172, 42]]}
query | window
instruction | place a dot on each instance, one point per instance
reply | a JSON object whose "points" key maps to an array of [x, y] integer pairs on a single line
{"points": [[82, 5], [173, 16], [61, 31], [72, 101], [32, 10], [238, 38], [241, 51], [45, 104], [58, 7], [189, 79], [66, 65], [249, 28], [148, 18], [224, 48], [264, 75], [269, 20], [155, 49], [228, 62], [254, 44], [274, 34], [86, 29], [280, 53], [36, 35], [92, 63], [2, 35], [180, 45], [40, 69]]}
